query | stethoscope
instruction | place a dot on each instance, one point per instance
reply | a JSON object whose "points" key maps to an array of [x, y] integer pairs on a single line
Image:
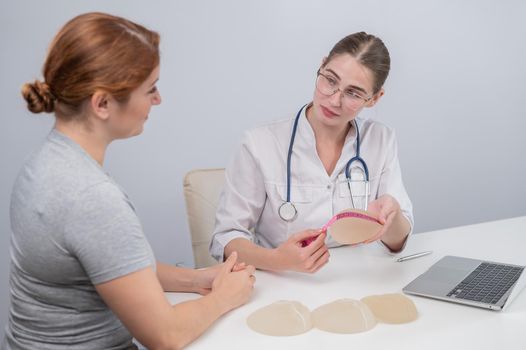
{"points": [[287, 211]]}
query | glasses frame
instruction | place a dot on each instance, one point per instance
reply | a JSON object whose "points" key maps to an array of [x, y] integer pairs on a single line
{"points": [[343, 93]]}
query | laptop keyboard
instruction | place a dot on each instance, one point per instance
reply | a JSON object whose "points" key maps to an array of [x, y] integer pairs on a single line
{"points": [[487, 283]]}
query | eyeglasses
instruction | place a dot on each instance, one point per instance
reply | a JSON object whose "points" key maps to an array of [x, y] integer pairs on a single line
{"points": [[328, 85]]}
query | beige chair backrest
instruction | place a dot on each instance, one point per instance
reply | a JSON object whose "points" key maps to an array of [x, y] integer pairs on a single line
{"points": [[201, 192]]}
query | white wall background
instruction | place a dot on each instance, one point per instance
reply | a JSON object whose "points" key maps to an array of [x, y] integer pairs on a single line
{"points": [[455, 96]]}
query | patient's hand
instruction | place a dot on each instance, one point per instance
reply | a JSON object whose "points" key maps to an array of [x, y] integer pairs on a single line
{"points": [[206, 276], [233, 287]]}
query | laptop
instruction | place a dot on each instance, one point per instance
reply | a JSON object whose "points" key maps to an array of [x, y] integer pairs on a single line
{"points": [[485, 284]]}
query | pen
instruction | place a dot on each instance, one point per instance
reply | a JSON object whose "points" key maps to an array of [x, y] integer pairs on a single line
{"points": [[414, 256]]}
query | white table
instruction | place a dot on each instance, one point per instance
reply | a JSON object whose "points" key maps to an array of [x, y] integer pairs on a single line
{"points": [[355, 272]]}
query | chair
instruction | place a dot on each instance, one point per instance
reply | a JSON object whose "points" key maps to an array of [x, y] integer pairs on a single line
{"points": [[201, 192]]}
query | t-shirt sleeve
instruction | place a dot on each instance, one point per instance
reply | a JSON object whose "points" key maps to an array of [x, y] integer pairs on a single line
{"points": [[103, 232]]}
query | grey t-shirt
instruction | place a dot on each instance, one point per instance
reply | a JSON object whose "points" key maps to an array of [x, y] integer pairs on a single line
{"points": [[72, 228]]}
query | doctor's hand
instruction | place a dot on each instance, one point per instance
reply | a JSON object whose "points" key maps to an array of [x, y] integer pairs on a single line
{"points": [[233, 287], [294, 255], [385, 208]]}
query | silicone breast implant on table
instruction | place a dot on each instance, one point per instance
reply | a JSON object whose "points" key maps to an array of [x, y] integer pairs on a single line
{"points": [[344, 316], [391, 308], [282, 318]]}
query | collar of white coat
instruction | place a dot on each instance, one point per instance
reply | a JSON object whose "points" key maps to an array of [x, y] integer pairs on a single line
{"points": [[306, 134]]}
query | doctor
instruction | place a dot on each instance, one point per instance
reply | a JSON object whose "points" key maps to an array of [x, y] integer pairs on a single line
{"points": [[290, 177]]}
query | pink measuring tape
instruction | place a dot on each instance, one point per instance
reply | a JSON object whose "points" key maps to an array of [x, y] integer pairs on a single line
{"points": [[348, 214]]}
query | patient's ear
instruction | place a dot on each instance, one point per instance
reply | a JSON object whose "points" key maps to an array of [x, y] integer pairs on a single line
{"points": [[376, 97], [100, 104]]}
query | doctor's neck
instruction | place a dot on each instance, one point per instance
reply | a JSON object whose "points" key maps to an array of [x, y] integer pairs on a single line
{"points": [[324, 133]]}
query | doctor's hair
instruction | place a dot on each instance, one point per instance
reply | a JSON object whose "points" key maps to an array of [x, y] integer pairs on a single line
{"points": [[93, 52], [367, 49]]}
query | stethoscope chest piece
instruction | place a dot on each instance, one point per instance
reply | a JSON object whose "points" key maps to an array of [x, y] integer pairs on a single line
{"points": [[287, 211]]}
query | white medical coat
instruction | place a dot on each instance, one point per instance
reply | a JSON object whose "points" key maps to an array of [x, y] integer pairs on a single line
{"points": [[256, 182]]}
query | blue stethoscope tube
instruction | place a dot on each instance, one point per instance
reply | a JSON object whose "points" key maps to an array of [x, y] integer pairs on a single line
{"points": [[287, 211]]}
